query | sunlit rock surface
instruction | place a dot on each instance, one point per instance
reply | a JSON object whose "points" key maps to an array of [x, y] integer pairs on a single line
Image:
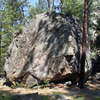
{"points": [[43, 47]]}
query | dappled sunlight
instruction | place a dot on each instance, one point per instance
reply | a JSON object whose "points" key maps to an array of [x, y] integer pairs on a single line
{"points": [[90, 92]]}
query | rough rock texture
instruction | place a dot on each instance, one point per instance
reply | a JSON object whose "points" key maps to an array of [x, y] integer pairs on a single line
{"points": [[46, 46]]}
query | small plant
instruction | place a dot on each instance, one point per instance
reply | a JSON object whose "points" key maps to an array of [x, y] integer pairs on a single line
{"points": [[80, 98], [98, 98]]}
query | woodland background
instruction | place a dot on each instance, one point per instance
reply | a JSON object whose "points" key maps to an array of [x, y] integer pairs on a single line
{"points": [[14, 14]]}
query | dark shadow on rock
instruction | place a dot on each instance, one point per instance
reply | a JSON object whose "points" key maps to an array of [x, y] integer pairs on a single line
{"points": [[61, 34]]}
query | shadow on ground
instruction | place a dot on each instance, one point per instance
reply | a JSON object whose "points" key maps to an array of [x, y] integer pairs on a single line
{"points": [[90, 92]]}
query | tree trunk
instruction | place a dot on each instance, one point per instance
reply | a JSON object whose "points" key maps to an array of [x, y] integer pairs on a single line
{"points": [[84, 44], [0, 48]]}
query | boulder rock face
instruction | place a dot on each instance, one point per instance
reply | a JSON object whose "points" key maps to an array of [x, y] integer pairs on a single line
{"points": [[47, 45]]}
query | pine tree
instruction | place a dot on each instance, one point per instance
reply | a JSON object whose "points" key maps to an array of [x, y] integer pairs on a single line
{"points": [[12, 17], [73, 7], [40, 7], [84, 44]]}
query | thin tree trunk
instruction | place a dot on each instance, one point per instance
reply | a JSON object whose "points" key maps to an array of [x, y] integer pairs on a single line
{"points": [[0, 46], [84, 45]]}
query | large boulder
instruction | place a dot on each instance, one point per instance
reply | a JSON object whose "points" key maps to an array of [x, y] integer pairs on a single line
{"points": [[49, 44]]}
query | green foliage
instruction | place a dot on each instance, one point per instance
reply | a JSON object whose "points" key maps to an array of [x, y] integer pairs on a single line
{"points": [[12, 17], [73, 7], [34, 11], [98, 98], [40, 7], [80, 98], [94, 23], [17, 85], [6, 98], [94, 14]]}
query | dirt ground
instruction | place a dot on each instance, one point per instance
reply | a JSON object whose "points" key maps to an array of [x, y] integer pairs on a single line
{"points": [[90, 92]]}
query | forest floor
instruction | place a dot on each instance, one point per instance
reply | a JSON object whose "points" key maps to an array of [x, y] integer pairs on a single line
{"points": [[90, 92]]}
